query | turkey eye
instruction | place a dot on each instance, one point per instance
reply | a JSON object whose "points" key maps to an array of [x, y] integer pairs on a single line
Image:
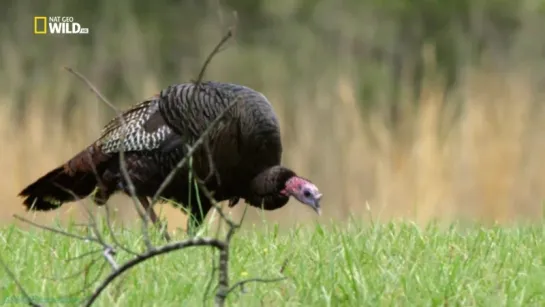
{"points": [[306, 193]]}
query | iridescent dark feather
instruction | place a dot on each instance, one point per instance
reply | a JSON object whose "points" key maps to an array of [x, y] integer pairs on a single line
{"points": [[245, 149]]}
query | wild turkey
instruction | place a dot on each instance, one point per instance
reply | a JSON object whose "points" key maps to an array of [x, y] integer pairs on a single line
{"points": [[245, 149]]}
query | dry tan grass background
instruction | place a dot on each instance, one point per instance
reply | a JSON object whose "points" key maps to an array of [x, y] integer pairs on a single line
{"points": [[487, 166]]}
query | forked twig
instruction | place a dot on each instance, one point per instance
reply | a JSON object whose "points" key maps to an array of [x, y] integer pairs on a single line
{"points": [[215, 51], [242, 283], [55, 230], [113, 236], [208, 129], [198, 82], [197, 241], [121, 150], [190, 152], [18, 284]]}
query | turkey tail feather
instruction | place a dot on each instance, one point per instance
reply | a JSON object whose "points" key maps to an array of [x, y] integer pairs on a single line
{"points": [[74, 180], [57, 187]]}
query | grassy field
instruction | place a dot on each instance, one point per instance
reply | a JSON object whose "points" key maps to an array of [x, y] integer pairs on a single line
{"points": [[472, 153], [391, 264]]}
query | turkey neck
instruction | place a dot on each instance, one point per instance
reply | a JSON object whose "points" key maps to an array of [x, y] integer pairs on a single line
{"points": [[266, 187], [271, 181]]}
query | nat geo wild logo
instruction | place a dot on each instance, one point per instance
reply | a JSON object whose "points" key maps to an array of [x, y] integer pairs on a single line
{"points": [[57, 25]]}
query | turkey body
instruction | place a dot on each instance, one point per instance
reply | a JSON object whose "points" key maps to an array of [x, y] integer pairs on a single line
{"points": [[245, 149]]}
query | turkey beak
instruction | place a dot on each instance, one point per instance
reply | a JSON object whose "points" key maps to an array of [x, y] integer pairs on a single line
{"points": [[316, 205]]}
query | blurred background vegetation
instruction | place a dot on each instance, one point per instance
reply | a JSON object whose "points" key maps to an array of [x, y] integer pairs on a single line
{"points": [[419, 109]]}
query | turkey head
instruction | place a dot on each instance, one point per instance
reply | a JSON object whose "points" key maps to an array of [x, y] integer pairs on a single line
{"points": [[272, 188]]}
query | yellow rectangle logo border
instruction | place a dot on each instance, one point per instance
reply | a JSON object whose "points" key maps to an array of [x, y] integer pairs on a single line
{"points": [[36, 19]]}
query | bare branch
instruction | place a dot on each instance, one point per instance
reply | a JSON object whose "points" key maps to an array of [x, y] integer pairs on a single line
{"points": [[223, 274], [207, 131], [223, 265], [86, 281], [94, 90], [242, 283], [18, 284], [210, 281], [153, 253], [190, 152], [77, 273], [59, 231], [198, 82], [108, 250], [92, 224], [113, 236], [215, 51], [105, 247], [123, 167], [92, 252], [209, 195], [108, 254]]}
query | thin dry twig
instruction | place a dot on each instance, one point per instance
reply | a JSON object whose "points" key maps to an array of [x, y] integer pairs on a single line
{"points": [[77, 273], [109, 254], [93, 223], [113, 236], [89, 253], [242, 283], [223, 289], [108, 250], [207, 131], [215, 51], [190, 152], [130, 185], [206, 145], [18, 284], [123, 167], [93, 239], [196, 241], [55, 230], [87, 282]]}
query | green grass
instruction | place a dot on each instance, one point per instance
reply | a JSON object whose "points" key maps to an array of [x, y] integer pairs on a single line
{"points": [[352, 264]]}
